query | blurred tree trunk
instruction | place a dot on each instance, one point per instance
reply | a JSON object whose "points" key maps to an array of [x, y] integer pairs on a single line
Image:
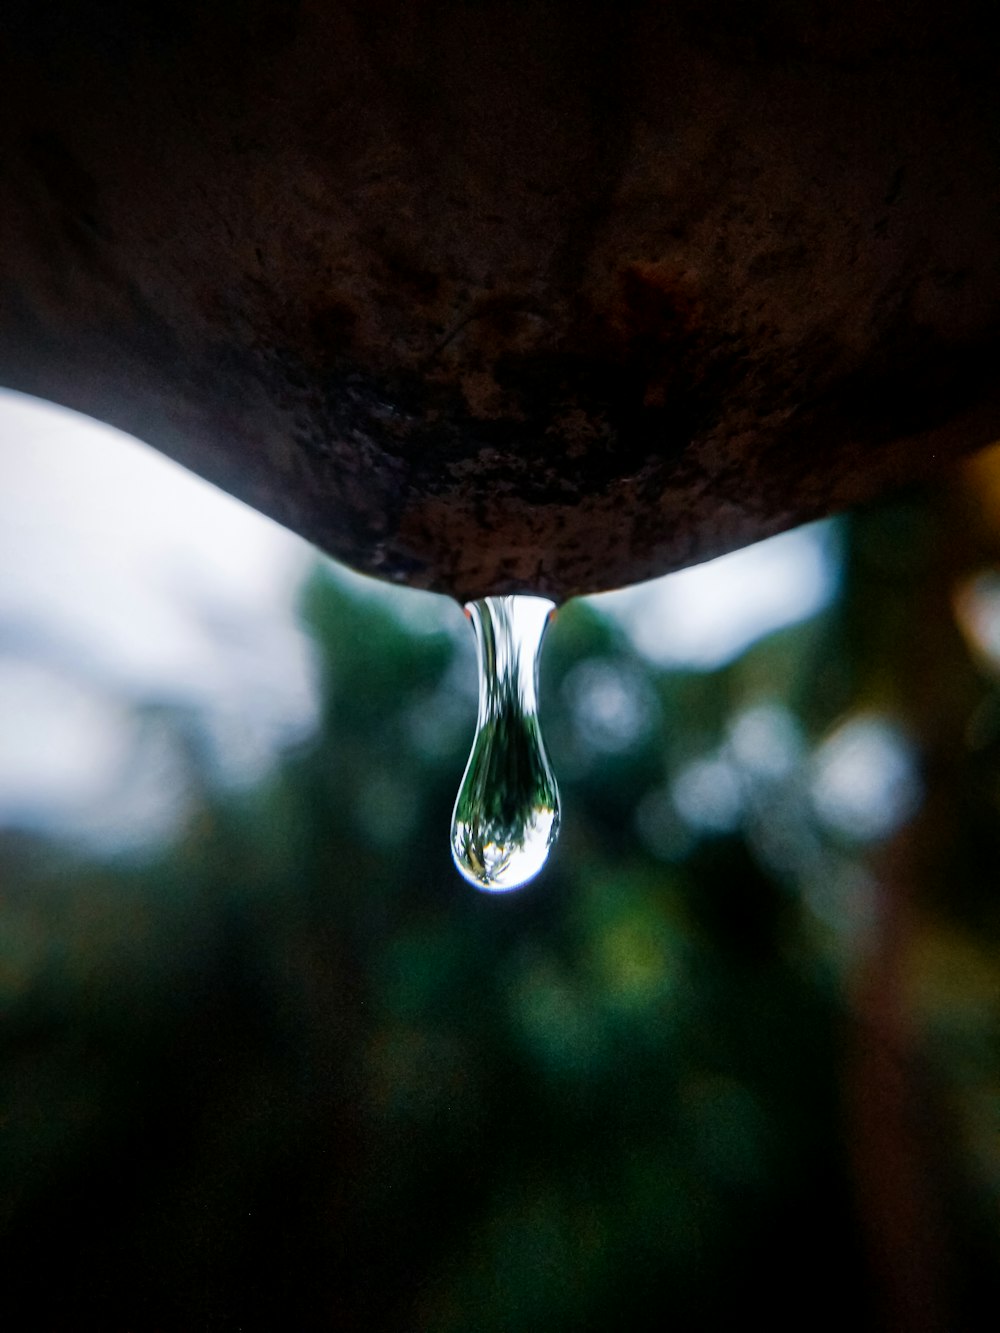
{"points": [[916, 668]]}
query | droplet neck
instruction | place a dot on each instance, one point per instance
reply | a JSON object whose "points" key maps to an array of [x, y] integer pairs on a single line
{"points": [[507, 812]]}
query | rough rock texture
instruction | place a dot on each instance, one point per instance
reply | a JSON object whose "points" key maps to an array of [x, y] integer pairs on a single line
{"points": [[486, 297]]}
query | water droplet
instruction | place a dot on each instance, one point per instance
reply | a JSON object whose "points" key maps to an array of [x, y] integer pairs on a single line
{"points": [[507, 813]]}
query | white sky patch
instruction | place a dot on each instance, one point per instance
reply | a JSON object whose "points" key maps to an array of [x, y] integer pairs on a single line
{"points": [[75, 758], [125, 578], [60, 739], [704, 617], [140, 564]]}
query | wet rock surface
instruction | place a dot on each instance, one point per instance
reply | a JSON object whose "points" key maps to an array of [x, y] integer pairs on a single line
{"points": [[511, 297]]}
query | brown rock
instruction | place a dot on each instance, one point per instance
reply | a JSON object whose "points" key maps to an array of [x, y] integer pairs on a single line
{"points": [[539, 296]]}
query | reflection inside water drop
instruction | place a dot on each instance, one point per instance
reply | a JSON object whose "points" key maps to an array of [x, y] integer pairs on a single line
{"points": [[507, 813]]}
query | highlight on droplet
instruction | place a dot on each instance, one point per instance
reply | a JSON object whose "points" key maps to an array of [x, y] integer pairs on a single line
{"points": [[506, 816]]}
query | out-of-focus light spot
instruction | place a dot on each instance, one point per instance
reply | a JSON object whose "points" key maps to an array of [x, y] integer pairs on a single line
{"points": [[708, 795], [865, 782], [706, 616], [610, 704], [766, 741], [977, 611]]}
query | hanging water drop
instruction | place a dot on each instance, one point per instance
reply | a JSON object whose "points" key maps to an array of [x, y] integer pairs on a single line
{"points": [[507, 813]]}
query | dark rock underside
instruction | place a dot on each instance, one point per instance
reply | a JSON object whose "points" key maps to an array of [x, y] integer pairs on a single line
{"points": [[493, 297]]}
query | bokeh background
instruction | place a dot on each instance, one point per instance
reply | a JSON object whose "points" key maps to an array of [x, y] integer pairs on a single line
{"points": [[267, 1063]]}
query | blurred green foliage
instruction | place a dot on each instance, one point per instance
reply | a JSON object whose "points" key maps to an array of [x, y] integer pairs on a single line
{"points": [[730, 1058]]}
